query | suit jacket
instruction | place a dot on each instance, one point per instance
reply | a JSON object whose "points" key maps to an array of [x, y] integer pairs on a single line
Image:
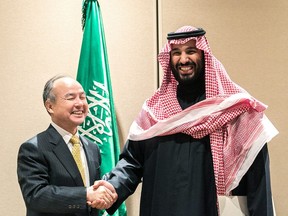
{"points": [[49, 179]]}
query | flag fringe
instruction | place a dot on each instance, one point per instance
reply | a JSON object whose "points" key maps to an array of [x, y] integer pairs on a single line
{"points": [[84, 11]]}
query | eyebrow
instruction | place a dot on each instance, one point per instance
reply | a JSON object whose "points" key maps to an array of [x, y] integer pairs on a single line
{"points": [[174, 49], [190, 47], [73, 94]]}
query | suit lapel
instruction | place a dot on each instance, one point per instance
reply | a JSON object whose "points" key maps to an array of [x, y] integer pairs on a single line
{"points": [[89, 156], [64, 155]]}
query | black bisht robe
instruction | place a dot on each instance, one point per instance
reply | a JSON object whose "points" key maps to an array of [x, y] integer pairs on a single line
{"points": [[177, 175]]}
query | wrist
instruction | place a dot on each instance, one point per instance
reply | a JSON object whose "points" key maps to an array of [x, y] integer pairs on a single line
{"points": [[88, 193]]}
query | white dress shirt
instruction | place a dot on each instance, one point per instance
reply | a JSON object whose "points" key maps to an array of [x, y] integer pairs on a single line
{"points": [[67, 136]]}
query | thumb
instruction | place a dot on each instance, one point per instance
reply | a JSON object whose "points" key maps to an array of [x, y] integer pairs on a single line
{"points": [[98, 183]]}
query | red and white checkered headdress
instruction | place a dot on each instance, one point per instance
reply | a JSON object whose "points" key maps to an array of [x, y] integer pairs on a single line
{"points": [[228, 112]]}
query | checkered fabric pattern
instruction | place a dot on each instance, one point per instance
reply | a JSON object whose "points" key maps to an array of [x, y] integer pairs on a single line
{"points": [[233, 129]]}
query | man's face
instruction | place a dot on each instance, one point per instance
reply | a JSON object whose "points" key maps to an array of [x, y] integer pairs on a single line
{"points": [[70, 107], [187, 62]]}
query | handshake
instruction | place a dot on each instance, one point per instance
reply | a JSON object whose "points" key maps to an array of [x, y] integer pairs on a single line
{"points": [[101, 195]]}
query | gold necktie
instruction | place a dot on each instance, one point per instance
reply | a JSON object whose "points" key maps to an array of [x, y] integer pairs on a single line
{"points": [[77, 156]]}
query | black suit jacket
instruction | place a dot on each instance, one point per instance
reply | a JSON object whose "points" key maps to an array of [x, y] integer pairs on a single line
{"points": [[49, 179]]}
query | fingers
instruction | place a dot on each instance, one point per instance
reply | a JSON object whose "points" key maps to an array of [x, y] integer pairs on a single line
{"points": [[109, 186], [106, 195], [100, 204], [104, 183], [97, 184], [111, 190], [102, 197], [112, 193]]}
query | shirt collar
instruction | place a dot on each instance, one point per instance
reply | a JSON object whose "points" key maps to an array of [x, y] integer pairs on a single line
{"points": [[65, 134]]}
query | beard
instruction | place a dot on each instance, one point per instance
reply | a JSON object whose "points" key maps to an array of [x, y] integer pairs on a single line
{"points": [[188, 79]]}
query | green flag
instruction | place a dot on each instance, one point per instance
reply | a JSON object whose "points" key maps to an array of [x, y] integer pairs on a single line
{"points": [[100, 125]]}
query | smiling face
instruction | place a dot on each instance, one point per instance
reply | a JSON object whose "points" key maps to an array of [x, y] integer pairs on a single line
{"points": [[187, 62], [70, 106]]}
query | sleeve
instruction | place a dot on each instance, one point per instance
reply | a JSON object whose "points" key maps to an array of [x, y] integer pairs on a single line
{"points": [[127, 174], [38, 193], [257, 186]]}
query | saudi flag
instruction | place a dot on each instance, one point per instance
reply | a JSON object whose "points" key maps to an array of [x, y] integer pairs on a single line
{"points": [[100, 126]]}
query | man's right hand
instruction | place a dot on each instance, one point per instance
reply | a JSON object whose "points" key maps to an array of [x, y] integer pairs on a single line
{"points": [[101, 195]]}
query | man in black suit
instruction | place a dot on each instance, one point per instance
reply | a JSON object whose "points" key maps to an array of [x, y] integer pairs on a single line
{"points": [[51, 181]]}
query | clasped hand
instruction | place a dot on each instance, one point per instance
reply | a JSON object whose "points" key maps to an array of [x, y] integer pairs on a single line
{"points": [[101, 195]]}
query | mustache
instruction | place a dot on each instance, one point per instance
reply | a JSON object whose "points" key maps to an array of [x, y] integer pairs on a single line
{"points": [[179, 64]]}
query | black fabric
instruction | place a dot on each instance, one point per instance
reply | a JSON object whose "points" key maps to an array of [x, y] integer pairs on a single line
{"points": [[256, 186], [177, 35], [177, 173], [177, 176], [189, 96]]}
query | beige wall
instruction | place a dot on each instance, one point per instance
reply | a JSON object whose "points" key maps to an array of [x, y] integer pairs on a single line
{"points": [[41, 38]]}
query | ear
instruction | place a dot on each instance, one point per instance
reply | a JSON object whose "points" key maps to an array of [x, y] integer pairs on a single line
{"points": [[49, 106]]}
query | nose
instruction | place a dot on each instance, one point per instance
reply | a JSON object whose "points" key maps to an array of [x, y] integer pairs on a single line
{"points": [[184, 58], [78, 101]]}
